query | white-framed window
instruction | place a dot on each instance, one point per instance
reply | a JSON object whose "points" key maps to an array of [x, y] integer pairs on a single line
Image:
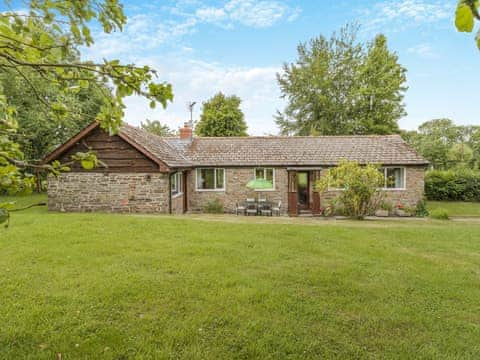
{"points": [[395, 178], [210, 179], [176, 183], [266, 174]]}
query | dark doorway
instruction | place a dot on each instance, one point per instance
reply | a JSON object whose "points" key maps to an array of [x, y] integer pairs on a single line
{"points": [[303, 189]]}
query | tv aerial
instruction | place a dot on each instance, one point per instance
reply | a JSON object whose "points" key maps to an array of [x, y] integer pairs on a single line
{"points": [[190, 106]]}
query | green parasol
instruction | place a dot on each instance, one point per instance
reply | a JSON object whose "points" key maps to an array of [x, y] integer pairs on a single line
{"points": [[259, 184]]}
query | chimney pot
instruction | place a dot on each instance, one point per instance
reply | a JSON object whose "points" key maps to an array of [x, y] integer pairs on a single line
{"points": [[186, 132]]}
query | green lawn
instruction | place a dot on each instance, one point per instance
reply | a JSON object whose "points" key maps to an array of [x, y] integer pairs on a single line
{"points": [[122, 287], [455, 208]]}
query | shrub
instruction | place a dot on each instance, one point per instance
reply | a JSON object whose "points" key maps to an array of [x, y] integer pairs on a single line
{"points": [[453, 185], [213, 207], [385, 205], [360, 187], [421, 209], [439, 214]]}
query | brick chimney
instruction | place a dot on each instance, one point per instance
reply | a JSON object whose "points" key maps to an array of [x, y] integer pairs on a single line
{"points": [[186, 132]]}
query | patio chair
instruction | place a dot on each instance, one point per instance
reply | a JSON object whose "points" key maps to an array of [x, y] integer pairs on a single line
{"points": [[251, 207], [276, 209], [240, 208], [262, 202], [266, 210]]}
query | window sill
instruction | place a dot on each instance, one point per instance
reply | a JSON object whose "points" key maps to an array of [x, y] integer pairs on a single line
{"points": [[265, 190], [210, 190]]}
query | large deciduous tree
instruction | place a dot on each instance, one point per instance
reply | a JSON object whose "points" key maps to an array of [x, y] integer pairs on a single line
{"points": [[37, 43], [339, 86], [222, 116]]}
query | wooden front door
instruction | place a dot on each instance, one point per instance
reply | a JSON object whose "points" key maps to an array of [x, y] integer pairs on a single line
{"points": [[303, 190]]}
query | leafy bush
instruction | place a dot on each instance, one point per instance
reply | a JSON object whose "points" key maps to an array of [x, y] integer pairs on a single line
{"points": [[213, 207], [386, 205], [453, 185], [421, 209], [360, 187], [439, 214]]}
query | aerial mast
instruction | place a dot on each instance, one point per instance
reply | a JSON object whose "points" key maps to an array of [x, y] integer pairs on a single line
{"points": [[190, 106]]}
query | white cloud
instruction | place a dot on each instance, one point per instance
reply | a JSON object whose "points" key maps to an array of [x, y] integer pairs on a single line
{"points": [[144, 31], [197, 81], [257, 14], [144, 37], [211, 15], [400, 14], [423, 50]]}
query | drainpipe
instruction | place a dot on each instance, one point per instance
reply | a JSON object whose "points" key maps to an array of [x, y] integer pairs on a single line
{"points": [[169, 193]]}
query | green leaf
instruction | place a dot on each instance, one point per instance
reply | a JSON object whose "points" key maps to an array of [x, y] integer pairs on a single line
{"points": [[477, 38], [464, 20], [84, 84], [87, 164]]}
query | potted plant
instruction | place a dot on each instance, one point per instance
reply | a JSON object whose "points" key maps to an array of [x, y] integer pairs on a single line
{"points": [[384, 210], [401, 210]]}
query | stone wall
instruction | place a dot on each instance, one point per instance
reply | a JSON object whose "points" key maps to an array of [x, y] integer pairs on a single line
{"points": [[414, 190], [236, 180], [148, 193], [129, 192]]}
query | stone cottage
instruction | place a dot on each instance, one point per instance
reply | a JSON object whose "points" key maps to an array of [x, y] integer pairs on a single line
{"points": [[151, 174]]}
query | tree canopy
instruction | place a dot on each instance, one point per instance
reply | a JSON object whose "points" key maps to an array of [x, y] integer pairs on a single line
{"points": [[157, 128], [222, 116], [447, 145], [38, 132], [41, 42], [338, 86]]}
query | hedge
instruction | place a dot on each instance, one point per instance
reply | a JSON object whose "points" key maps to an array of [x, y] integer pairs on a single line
{"points": [[460, 185]]}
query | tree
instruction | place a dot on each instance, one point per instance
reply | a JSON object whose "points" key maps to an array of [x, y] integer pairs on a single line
{"points": [[221, 116], [438, 136], [460, 155], [445, 144], [381, 90], [38, 133], [40, 41], [338, 86], [361, 187], [465, 15], [475, 145], [156, 127]]}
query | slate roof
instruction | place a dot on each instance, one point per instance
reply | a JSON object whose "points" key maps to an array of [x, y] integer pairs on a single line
{"points": [[293, 151], [155, 145], [297, 151], [276, 150]]}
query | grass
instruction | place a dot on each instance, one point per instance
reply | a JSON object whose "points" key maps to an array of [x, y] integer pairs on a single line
{"points": [[120, 287], [456, 208]]}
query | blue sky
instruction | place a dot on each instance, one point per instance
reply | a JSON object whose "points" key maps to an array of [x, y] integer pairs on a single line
{"points": [[237, 46]]}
